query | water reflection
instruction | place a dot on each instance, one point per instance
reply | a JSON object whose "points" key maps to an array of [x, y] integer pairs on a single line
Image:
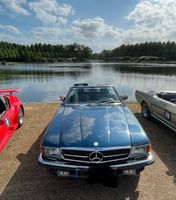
{"points": [[46, 82], [162, 70]]}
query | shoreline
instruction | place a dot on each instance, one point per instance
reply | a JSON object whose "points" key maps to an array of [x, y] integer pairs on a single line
{"points": [[94, 61]]}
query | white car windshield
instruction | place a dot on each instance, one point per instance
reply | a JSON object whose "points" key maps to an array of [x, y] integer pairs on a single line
{"points": [[80, 95]]}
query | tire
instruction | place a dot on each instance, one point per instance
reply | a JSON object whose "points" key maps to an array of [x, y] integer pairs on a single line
{"points": [[20, 117], [145, 111]]}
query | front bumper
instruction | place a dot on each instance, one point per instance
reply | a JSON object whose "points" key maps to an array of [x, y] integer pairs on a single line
{"points": [[61, 165]]}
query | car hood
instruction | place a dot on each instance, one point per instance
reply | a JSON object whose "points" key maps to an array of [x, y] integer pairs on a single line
{"points": [[94, 126]]}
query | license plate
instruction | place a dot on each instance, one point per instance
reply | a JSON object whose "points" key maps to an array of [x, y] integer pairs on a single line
{"points": [[129, 172]]}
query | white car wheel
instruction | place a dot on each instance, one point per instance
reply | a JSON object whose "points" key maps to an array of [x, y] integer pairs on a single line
{"points": [[145, 110]]}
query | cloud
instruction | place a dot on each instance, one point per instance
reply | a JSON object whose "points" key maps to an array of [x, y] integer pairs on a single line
{"points": [[96, 33], [94, 27], [46, 34], [15, 6], [23, 39], [51, 31], [154, 13], [153, 20], [50, 11], [150, 20], [10, 28]]}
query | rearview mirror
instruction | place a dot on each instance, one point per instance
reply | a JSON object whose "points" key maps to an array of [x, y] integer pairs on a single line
{"points": [[124, 98]]}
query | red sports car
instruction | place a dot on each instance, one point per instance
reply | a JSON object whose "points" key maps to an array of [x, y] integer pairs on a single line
{"points": [[11, 115]]}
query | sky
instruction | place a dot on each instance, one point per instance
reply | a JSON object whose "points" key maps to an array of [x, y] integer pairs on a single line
{"points": [[99, 24]]}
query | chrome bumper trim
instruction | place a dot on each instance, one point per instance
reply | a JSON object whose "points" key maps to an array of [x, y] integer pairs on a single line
{"points": [[60, 164], [150, 159]]}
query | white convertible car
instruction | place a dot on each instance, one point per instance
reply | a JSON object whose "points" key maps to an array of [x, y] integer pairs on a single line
{"points": [[161, 106]]}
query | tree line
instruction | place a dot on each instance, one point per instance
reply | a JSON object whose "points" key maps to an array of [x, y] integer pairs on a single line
{"points": [[74, 52], [153, 50], [43, 52]]}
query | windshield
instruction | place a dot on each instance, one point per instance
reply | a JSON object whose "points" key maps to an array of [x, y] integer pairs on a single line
{"points": [[80, 95]]}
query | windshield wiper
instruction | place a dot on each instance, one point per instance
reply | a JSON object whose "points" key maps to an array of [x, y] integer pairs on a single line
{"points": [[104, 101], [107, 101]]}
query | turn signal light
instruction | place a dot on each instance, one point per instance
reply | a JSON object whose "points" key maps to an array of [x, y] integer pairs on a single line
{"points": [[41, 149], [149, 148]]}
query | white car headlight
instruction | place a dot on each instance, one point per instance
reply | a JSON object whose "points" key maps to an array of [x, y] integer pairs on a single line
{"points": [[52, 152], [140, 151]]}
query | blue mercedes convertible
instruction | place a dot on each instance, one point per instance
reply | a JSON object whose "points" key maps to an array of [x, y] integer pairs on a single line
{"points": [[94, 130]]}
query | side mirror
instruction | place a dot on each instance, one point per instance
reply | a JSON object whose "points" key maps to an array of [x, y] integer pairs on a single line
{"points": [[61, 100], [124, 98]]}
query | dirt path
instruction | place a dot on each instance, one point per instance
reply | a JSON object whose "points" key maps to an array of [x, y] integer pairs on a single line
{"points": [[22, 178]]}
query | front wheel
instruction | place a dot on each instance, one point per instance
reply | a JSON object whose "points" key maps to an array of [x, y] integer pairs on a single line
{"points": [[145, 111], [20, 117]]}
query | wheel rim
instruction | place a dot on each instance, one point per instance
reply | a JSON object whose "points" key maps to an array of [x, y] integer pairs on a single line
{"points": [[145, 111], [20, 117]]}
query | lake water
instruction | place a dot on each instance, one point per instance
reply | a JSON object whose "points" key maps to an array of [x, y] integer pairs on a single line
{"points": [[46, 82]]}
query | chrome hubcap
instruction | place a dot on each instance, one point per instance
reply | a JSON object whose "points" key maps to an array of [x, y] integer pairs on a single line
{"points": [[144, 110]]}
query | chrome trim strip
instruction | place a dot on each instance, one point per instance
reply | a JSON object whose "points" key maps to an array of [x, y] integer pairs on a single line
{"points": [[95, 148], [172, 104], [76, 156], [89, 162], [163, 122], [150, 159], [111, 156], [47, 163]]}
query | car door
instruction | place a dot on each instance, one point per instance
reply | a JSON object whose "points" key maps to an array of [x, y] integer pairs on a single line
{"points": [[157, 107], [170, 114], [4, 121], [10, 115], [164, 111]]}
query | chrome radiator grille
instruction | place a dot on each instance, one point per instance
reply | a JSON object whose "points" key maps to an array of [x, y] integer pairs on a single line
{"points": [[108, 155]]}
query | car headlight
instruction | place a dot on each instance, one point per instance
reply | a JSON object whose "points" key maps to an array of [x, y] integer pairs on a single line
{"points": [[52, 152], [140, 151]]}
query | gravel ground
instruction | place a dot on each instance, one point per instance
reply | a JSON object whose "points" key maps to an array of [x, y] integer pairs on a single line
{"points": [[22, 178]]}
